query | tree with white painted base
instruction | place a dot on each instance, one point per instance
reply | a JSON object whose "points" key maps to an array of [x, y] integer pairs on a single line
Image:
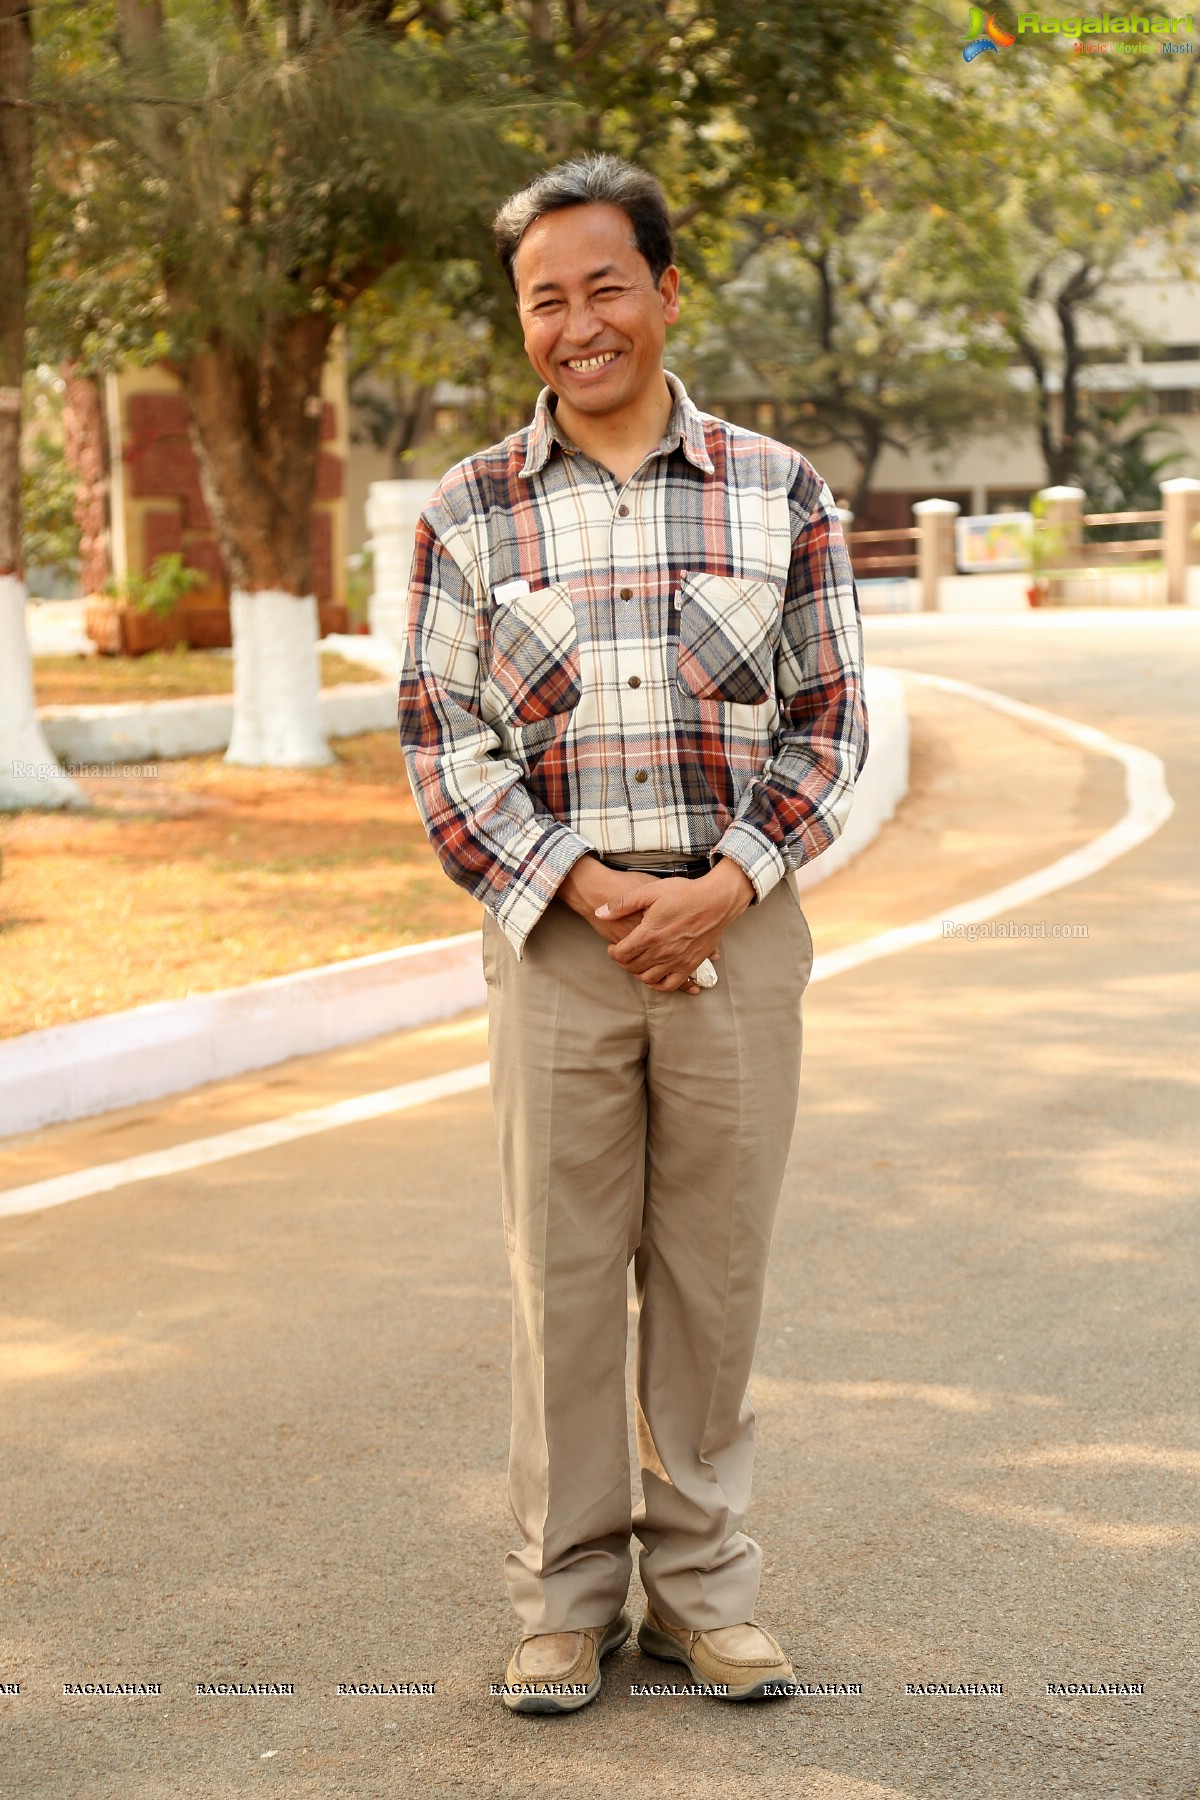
{"points": [[229, 185], [29, 774]]}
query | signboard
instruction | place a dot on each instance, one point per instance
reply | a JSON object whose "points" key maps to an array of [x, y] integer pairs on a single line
{"points": [[990, 543]]}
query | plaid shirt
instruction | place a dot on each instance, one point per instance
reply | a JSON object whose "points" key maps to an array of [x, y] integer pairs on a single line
{"points": [[670, 665]]}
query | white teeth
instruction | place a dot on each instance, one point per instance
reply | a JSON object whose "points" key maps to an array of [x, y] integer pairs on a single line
{"points": [[593, 362]]}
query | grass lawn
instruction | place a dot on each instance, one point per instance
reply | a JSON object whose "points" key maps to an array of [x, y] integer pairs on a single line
{"points": [[162, 675], [208, 876]]}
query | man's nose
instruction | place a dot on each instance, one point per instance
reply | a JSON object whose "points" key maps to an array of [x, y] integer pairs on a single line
{"points": [[582, 323]]}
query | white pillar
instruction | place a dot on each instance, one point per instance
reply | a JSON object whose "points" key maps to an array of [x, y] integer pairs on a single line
{"points": [[935, 546], [1063, 517], [1181, 539], [393, 508], [117, 497]]}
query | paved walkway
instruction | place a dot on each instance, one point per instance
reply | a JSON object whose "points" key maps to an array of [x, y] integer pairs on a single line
{"points": [[254, 1415]]}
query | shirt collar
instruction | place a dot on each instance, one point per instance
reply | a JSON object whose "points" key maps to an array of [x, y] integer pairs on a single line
{"points": [[685, 429]]}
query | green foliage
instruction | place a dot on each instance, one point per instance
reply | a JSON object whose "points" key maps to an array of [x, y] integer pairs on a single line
{"points": [[168, 581], [417, 329], [1121, 465], [48, 525], [868, 227], [255, 163], [360, 585], [1100, 167], [706, 93], [864, 298]]}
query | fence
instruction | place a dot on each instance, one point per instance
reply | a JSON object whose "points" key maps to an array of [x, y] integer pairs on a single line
{"points": [[907, 561], [1076, 556]]}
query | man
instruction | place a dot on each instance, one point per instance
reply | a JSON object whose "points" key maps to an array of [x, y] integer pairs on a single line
{"points": [[631, 707]]}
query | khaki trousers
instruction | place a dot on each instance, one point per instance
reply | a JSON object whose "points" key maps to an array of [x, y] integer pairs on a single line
{"points": [[634, 1124]]}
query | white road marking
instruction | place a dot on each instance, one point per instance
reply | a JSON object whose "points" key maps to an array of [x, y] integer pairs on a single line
{"points": [[265, 1136], [1148, 806]]}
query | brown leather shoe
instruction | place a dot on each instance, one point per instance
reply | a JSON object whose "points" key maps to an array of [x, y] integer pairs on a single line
{"points": [[559, 1671], [740, 1662]]}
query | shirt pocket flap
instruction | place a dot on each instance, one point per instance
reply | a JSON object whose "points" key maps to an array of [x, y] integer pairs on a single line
{"points": [[728, 632], [535, 654]]}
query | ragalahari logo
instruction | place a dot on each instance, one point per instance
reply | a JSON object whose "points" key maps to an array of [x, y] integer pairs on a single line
{"points": [[983, 33]]}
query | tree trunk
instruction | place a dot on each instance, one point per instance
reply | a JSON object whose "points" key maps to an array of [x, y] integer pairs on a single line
{"points": [[1077, 292], [256, 423], [85, 445], [255, 419], [29, 773], [867, 456], [413, 428]]}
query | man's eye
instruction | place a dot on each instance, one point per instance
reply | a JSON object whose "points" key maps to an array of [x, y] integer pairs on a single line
{"points": [[608, 293]]}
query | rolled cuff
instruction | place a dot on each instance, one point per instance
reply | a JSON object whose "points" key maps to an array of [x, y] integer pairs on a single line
{"points": [[761, 861], [521, 904]]}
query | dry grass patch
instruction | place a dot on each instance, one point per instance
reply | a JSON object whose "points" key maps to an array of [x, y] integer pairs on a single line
{"points": [[162, 675], [209, 876]]}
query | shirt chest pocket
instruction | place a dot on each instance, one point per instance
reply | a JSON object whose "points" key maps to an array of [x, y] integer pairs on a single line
{"points": [[728, 631], [535, 656]]}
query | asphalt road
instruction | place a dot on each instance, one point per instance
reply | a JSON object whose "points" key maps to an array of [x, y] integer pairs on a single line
{"points": [[254, 1416]]}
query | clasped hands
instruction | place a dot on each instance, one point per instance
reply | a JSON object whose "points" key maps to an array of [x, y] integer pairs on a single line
{"points": [[659, 929]]}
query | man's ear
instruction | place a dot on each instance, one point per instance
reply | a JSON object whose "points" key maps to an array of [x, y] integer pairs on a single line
{"points": [[668, 287]]}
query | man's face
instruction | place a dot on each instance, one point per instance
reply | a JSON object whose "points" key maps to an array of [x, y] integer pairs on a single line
{"points": [[594, 318]]}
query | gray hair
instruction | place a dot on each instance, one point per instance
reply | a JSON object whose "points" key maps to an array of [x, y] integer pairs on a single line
{"points": [[597, 180]]}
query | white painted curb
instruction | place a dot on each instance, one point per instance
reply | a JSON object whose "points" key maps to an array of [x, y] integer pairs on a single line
{"points": [[123, 1059], [883, 782], [165, 729]]}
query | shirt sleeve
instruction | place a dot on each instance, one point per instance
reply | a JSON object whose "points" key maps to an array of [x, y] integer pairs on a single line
{"points": [[490, 835], [799, 803]]}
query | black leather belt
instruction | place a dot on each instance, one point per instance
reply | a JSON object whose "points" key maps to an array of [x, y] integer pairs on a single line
{"points": [[691, 868]]}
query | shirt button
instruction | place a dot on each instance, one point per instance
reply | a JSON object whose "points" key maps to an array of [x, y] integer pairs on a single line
{"points": [[622, 512], [627, 593], [635, 681], [641, 775]]}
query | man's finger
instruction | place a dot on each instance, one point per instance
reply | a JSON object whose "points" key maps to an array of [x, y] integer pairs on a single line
{"points": [[640, 958], [662, 975], [636, 901]]}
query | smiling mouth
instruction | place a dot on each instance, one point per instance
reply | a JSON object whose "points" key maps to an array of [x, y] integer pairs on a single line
{"points": [[583, 365]]}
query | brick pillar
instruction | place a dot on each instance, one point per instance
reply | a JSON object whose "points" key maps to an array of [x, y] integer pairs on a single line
{"points": [[935, 547], [393, 508], [1181, 539]]}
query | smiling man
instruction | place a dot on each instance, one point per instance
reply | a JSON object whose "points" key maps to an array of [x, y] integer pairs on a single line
{"points": [[631, 708]]}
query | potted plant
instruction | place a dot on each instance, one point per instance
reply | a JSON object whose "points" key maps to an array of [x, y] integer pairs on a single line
{"points": [[360, 582], [141, 612], [1047, 544]]}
